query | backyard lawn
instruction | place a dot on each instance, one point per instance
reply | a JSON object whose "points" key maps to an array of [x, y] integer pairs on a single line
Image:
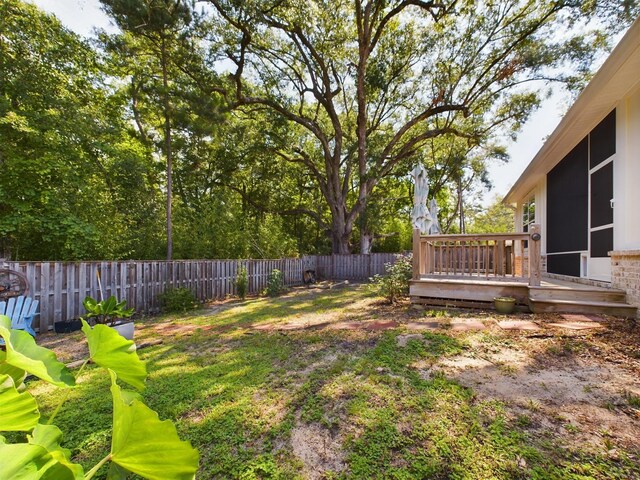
{"points": [[334, 384]]}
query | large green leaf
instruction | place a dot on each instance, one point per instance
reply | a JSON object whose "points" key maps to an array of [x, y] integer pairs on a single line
{"points": [[49, 437], [18, 411], [25, 461], [111, 350], [116, 472], [16, 373], [23, 353], [144, 445]]}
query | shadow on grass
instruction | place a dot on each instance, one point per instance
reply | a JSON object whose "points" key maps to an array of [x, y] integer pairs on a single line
{"points": [[255, 312]]}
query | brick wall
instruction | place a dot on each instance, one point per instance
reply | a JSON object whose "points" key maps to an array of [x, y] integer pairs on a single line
{"points": [[543, 264], [625, 274]]}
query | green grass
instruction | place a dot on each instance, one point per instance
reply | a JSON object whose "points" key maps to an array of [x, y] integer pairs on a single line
{"points": [[237, 394]]}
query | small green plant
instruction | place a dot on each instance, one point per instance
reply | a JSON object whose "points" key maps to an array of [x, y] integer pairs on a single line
{"points": [[524, 421], [395, 283], [177, 300], [507, 369], [435, 313], [533, 405], [571, 428], [242, 283], [632, 400], [141, 443], [106, 312], [275, 283]]}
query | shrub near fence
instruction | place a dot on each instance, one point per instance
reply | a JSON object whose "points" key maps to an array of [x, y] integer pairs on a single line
{"points": [[61, 286]]}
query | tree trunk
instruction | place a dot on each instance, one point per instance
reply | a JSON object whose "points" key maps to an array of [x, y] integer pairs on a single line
{"points": [[366, 242], [461, 207], [167, 148], [340, 233]]}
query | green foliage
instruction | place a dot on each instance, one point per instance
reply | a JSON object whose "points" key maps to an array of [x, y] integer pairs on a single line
{"points": [[275, 283], [145, 445], [496, 218], [394, 284], [22, 353], [18, 410], [112, 351], [479, 76], [106, 312], [141, 443], [178, 299], [242, 283], [85, 160], [68, 160]]}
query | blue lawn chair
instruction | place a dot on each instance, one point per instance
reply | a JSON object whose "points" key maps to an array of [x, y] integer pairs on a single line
{"points": [[21, 310]]}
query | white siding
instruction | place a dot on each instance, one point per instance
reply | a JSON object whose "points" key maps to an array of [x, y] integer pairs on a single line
{"points": [[626, 178]]}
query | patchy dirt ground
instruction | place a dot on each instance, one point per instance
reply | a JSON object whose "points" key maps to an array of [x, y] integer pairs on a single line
{"points": [[349, 374]]}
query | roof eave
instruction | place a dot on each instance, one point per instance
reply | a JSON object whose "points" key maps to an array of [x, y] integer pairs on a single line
{"points": [[608, 86]]}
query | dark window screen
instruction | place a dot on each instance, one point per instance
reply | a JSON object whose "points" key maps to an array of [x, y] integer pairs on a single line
{"points": [[568, 264], [567, 202], [603, 140], [601, 243], [601, 195]]}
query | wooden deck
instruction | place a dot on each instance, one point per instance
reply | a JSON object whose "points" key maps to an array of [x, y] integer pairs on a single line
{"points": [[471, 270], [550, 296]]}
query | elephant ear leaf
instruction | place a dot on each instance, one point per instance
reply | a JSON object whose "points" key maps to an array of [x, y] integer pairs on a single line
{"points": [[23, 353], [33, 462], [18, 411], [111, 350], [116, 472], [17, 374], [49, 437], [138, 437]]}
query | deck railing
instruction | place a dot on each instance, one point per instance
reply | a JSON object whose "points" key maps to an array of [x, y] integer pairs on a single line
{"points": [[508, 256]]}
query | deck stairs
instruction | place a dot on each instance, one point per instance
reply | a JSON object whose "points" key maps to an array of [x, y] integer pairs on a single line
{"points": [[566, 299]]}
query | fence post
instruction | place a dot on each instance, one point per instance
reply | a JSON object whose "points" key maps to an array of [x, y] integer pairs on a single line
{"points": [[416, 254], [534, 256]]}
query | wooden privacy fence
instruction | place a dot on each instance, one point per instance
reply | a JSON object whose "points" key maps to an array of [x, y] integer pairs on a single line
{"points": [[351, 267], [60, 287], [490, 256]]}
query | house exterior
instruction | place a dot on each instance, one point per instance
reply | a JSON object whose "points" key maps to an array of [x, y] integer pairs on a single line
{"points": [[583, 186]]}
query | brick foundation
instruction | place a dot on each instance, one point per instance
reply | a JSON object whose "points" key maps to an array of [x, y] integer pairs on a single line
{"points": [[625, 274]]}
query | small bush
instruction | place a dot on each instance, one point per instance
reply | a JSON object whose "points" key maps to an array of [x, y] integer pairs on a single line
{"points": [[395, 283], [177, 300], [275, 283], [242, 283]]}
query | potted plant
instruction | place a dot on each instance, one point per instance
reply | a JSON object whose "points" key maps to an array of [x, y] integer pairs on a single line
{"points": [[504, 304], [112, 313]]}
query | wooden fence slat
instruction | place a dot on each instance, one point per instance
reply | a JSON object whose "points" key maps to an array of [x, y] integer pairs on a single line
{"points": [[45, 307]]}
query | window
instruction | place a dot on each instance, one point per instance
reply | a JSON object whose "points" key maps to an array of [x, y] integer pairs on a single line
{"points": [[528, 213]]}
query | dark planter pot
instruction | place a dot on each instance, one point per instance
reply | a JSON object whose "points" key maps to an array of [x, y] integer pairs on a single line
{"points": [[67, 327]]}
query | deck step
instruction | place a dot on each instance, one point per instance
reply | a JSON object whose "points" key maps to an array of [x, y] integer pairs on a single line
{"points": [[577, 294], [617, 309]]}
